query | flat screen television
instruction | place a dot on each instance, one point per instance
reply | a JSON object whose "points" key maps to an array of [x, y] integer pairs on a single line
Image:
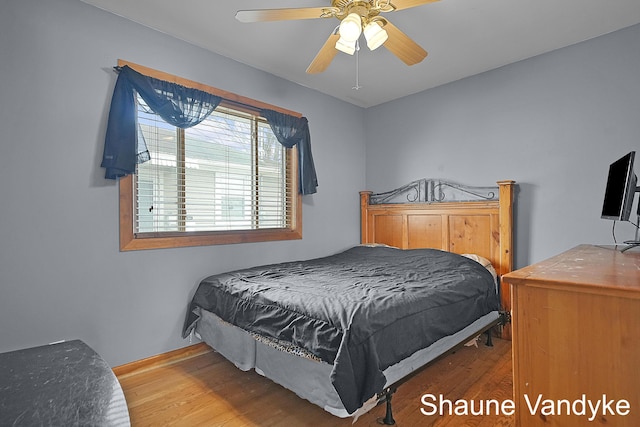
{"points": [[621, 187]]}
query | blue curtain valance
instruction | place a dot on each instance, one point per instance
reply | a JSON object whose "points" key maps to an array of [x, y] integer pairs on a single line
{"points": [[178, 105], [184, 107]]}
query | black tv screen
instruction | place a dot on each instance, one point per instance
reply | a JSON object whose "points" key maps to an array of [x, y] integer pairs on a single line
{"points": [[621, 187]]}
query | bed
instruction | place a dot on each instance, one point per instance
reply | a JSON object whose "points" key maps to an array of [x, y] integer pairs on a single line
{"points": [[342, 331]]}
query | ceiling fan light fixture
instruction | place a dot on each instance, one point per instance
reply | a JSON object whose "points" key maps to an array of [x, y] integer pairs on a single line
{"points": [[356, 17], [375, 35], [351, 27], [348, 47]]}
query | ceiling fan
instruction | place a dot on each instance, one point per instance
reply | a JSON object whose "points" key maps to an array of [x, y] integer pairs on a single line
{"points": [[356, 17]]}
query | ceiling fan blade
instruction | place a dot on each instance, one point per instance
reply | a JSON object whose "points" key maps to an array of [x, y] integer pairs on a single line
{"points": [[324, 56], [284, 14], [406, 4], [402, 46]]}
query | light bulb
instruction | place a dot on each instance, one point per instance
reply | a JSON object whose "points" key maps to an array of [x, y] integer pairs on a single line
{"points": [[351, 27], [375, 35]]}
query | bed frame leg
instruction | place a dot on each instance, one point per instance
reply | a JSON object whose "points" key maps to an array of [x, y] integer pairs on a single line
{"points": [[489, 342], [388, 417]]}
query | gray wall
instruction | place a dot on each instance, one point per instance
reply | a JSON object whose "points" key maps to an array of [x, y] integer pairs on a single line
{"points": [[553, 123], [61, 273]]}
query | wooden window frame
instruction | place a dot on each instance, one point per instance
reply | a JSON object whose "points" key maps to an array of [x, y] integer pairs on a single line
{"points": [[129, 241]]}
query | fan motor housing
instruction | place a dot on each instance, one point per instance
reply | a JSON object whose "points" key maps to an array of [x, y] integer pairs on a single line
{"points": [[366, 9]]}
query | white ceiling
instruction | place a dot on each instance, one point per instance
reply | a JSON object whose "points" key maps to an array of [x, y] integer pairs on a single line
{"points": [[463, 38]]}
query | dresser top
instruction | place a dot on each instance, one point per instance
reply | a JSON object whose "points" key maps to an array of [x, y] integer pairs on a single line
{"points": [[589, 267]]}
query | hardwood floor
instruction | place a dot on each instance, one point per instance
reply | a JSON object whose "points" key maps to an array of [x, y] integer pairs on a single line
{"points": [[207, 390]]}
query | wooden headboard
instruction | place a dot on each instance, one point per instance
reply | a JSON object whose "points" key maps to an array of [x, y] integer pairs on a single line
{"points": [[447, 216]]}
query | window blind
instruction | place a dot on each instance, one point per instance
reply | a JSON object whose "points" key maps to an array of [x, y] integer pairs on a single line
{"points": [[227, 173]]}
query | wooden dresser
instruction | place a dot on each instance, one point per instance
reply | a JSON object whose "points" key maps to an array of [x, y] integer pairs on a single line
{"points": [[576, 338]]}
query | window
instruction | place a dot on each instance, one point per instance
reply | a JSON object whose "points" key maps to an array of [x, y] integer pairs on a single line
{"points": [[225, 180], [228, 173]]}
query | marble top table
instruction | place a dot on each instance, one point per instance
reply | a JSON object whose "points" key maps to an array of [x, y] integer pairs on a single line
{"points": [[64, 384]]}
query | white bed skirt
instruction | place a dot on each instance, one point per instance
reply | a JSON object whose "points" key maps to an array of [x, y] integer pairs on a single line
{"points": [[308, 378]]}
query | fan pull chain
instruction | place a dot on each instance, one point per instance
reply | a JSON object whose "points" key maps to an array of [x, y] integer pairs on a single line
{"points": [[357, 86]]}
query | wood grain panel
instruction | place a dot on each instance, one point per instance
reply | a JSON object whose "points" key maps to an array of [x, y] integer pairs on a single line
{"points": [[388, 229], [424, 231], [470, 234], [582, 344]]}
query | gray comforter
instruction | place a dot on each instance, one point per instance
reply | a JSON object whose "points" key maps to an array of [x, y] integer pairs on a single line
{"points": [[361, 310]]}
